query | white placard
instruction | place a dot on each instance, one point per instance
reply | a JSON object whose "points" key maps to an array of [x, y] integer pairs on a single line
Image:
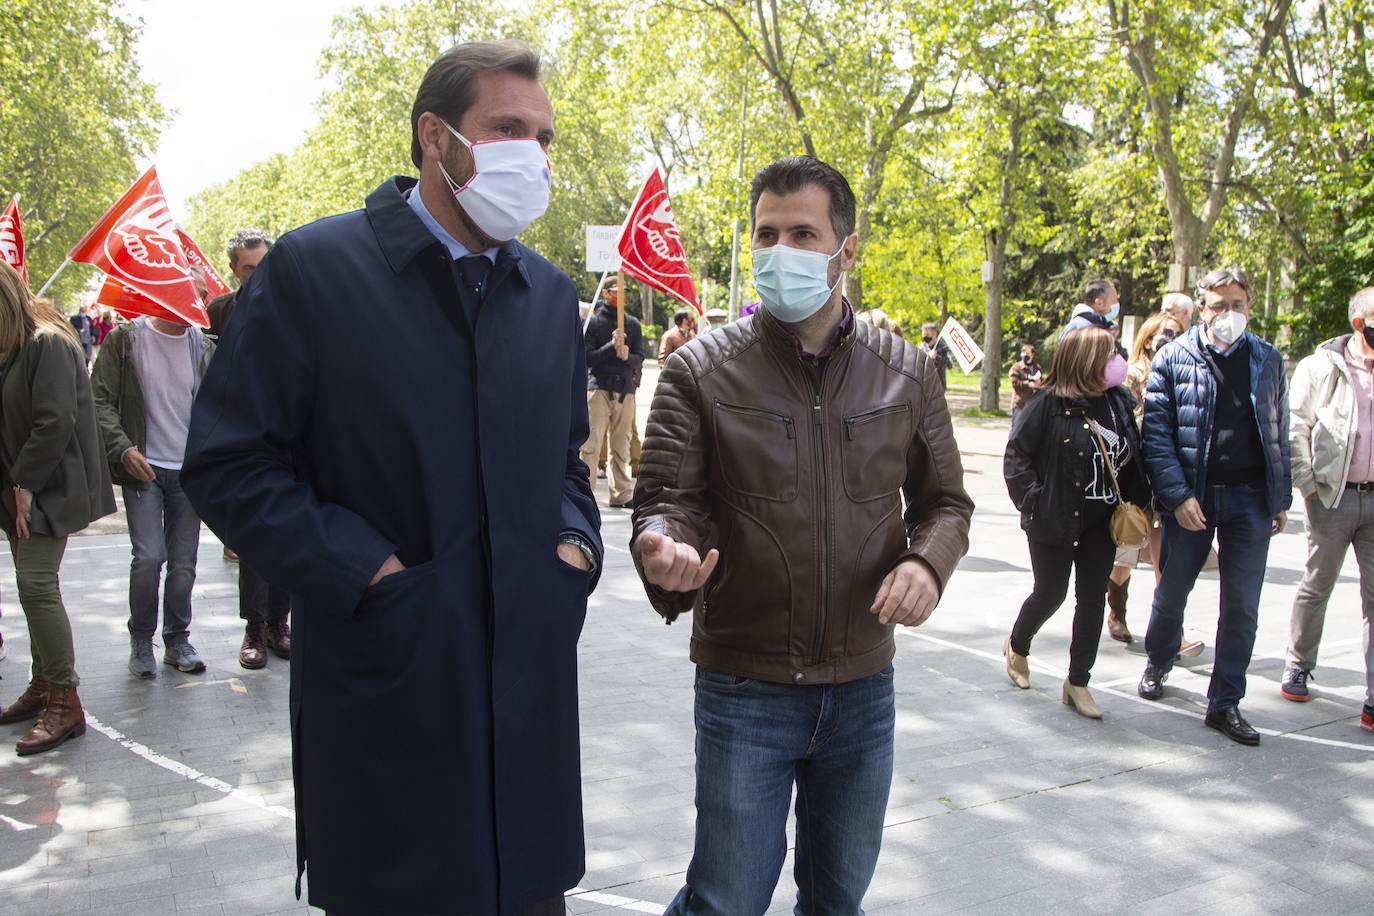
{"points": [[963, 346], [602, 252]]}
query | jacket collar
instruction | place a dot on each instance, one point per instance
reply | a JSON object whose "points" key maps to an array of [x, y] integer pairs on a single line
{"points": [[402, 236], [776, 334]]}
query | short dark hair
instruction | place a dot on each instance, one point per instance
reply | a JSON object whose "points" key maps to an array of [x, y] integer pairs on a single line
{"points": [[1097, 289], [450, 84], [1223, 276], [246, 238], [682, 315], [790, 175]]}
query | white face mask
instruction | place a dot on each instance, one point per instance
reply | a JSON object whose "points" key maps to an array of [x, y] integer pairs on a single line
{"points": [[793, 283], [509, 187], [1227, 327]]}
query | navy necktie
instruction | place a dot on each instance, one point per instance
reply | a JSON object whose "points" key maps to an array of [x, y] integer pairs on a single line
{"points": [[472, 270]]}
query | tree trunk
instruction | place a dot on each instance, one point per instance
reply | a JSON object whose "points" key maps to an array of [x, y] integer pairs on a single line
{"points": [[992, 325]]}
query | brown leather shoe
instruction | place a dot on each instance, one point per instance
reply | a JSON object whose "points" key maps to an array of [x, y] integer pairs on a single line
{"points": [[62, 719], [30, 704], [279, 637], [253, 652]]}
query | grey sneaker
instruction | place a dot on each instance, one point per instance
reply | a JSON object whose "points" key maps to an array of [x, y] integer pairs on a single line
{"points": [[184, 657], [141, 660]]}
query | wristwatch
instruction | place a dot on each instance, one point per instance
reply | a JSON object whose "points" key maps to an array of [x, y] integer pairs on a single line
{"points": [[582, 544]]}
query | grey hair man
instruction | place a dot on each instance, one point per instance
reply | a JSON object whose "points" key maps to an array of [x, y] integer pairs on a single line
{"points": [[1332, 437], [263, 607], [246, 249], [1179, 307]]}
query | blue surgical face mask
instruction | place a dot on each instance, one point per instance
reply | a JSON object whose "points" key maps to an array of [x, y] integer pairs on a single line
{"points": [[1114, 311], [793, 283]]}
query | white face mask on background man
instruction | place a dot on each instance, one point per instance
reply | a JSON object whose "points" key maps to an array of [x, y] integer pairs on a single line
{"points": [[1227, 327], [509, 187]]}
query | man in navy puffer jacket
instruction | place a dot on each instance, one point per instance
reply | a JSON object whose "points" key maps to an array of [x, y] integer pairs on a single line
{"points": [[1215, 438]]}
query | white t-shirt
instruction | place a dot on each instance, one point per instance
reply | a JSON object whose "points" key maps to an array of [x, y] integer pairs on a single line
{"points": [[167, 373]]}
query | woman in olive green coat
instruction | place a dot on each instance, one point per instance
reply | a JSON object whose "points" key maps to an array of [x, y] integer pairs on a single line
{"points": [[54, 483]]}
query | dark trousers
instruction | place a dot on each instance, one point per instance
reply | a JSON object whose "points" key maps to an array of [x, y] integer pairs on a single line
{"points": [[1238, 517], [259, 601], [1051, 561]]}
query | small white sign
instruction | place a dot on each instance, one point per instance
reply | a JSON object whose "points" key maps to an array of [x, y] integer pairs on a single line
{"points": [[602, 252], [962, 345]]}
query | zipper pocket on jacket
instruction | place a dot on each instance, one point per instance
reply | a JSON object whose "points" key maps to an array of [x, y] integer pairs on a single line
{"points": [[851, 422], [786, 421]]}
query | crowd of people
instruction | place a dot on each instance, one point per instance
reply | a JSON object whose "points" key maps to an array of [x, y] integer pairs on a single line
{"points": [[800, 493]]}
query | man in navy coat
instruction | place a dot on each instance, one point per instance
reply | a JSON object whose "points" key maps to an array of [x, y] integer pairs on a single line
{"points": [[377, 439]]}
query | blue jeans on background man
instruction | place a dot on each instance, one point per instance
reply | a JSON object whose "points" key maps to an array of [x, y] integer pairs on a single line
{"points": [[1239, 517], [754, 739], [163, 529]]}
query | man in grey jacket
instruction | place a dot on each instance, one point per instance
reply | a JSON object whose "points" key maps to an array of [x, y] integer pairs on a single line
{"points": [[144, 381], [1332, 437]]}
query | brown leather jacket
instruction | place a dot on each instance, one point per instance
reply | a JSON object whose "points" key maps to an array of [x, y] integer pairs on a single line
{"points": [[800, 486]]}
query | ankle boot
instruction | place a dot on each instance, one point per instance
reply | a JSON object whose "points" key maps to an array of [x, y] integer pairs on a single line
{"points": [[1081, 700], [30, 704], [1018, 668], [62, 719], [1116, 616]]}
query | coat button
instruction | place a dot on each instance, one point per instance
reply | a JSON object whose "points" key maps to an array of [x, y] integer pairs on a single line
{"points": [[1080, 454], [1075, 543], [799, 677], [1075, 514]]}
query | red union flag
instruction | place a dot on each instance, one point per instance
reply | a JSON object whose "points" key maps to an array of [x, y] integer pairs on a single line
{"points": [[196, 258], [650, 249], [135, 242], [130, 303], [12, 239]]}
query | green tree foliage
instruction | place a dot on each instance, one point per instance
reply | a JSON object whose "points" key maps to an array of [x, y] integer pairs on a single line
{"points": [[1054, 141], [75, 116]]}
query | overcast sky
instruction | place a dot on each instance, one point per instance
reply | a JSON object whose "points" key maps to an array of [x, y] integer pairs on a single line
{"points": [[242, 79]]}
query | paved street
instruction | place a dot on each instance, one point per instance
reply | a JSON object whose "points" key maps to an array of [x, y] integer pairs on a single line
{"points": [[178, 799]]}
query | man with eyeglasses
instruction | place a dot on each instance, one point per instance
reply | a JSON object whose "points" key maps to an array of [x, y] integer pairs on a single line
{"points": [[1215, 437], [1333, 468]]}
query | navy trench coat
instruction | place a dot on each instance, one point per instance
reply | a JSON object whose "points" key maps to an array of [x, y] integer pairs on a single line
{"points": [[352, 412]]}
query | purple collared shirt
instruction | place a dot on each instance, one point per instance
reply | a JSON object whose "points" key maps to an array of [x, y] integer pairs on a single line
{"points": [[817, 362]]}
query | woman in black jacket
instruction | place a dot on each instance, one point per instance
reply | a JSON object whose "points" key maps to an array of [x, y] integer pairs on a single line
{"points": [[55, 482], [1055, 468]]}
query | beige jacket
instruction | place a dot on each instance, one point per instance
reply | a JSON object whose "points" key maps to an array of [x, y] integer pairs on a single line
{"points": [[1322, 430]]}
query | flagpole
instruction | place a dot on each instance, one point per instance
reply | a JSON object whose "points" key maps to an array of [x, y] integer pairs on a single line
{"points": [[600, 284], [60, 268], [620, 306]]}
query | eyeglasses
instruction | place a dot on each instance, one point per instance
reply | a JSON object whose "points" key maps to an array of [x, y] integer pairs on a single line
{"points": [[1221, 306]]}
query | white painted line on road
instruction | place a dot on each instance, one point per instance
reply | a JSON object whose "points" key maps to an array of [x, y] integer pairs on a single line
{"points": [[624, 903], [182, 770], [1152, 704]]}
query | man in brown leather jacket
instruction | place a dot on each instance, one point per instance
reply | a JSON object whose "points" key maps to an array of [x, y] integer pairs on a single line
{"points": [[770, 502]]}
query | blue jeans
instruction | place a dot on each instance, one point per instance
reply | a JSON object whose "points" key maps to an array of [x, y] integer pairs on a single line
{"points": [[1239, 517], [163, 528], [754, 739]]}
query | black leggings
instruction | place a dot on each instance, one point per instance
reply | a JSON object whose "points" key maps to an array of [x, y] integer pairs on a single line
{"points": [[1051, 562]]}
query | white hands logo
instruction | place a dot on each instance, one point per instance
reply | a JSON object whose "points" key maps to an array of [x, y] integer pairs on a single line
{"points": [[144, 248], [657, 226]]}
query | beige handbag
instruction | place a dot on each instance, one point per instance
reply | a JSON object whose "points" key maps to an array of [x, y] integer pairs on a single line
{"points": [[1129, 525]]}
